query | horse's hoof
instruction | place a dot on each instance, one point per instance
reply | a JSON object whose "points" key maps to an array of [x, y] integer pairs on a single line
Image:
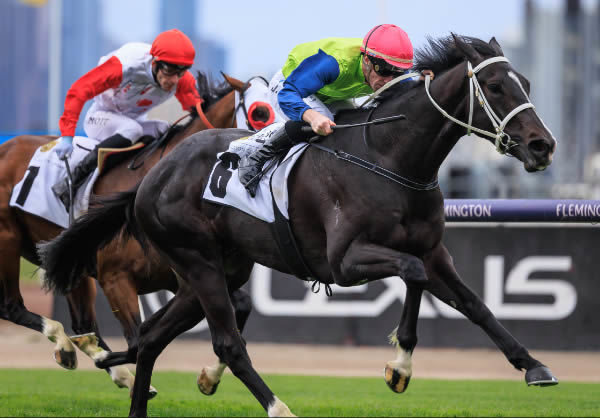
{"points": [[152, 392], [206, 385], [540, 376], [395, 379], [66, 359]]}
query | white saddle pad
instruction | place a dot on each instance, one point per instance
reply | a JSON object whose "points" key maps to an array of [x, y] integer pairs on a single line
{"points": [[33, 194], [224, 186], [258, 92]]}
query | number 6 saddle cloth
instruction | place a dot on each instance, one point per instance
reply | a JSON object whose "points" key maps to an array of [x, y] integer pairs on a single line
{"points": [[224, 186]]}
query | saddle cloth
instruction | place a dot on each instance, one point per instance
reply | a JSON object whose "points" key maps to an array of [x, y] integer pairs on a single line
{"points": [[224, 186], [256, 94], [33, 194]]}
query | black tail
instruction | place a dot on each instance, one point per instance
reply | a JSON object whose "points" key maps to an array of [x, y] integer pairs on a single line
{"points": [[73, 253]]}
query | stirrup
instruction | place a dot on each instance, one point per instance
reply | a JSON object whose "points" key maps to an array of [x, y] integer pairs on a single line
{"points": [[62, 192]]}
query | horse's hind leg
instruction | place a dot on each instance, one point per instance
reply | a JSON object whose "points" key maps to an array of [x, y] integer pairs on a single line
{"points": [[210, 377], [82, 305], [398, 372], [13, 309], [445, 284]]}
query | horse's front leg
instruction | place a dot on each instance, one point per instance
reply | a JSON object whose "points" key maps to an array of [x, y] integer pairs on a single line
{"points": [[445, 284], [368, 262], [398, 372]]}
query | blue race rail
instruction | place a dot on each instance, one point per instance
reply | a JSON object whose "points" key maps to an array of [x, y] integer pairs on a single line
{"points": [[521, 210]]}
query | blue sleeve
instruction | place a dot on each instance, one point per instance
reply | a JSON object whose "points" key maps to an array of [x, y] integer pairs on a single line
{"points": [[309, 77]]}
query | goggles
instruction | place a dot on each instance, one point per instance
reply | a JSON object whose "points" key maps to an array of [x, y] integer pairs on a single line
{"points": [[384, 69], [172, 69]]}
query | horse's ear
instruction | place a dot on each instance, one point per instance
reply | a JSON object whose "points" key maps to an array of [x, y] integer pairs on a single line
{"points": [[464, 47], [226, 77], [494, 44]]}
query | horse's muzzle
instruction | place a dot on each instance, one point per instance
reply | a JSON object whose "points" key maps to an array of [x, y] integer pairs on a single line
{"points": [[541, 151]]}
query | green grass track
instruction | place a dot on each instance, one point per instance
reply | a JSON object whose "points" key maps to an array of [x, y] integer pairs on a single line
{"points": [[91, 393]]}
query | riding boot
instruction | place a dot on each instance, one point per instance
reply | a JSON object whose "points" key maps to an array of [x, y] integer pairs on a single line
{"points": [[87, 166], [250, 167]]}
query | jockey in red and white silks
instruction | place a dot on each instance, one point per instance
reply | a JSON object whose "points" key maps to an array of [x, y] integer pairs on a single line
{"points": [[125, 85]]}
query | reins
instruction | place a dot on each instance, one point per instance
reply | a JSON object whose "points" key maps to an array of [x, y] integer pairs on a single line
{"points": [[201, 115], [502, 140], [161, 141], [368, 165]]}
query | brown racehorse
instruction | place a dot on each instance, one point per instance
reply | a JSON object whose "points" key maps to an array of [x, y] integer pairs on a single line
{"points": [[123, 271]]}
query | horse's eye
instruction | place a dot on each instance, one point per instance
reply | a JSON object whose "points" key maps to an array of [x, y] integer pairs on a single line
{"points": [[494, 87]]}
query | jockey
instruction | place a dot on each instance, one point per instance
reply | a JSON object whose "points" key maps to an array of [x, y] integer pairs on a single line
{"points": [[319, 77], [125, 85]]}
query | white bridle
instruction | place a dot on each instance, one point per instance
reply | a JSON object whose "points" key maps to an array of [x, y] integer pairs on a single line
{"points": [[502, 146]]}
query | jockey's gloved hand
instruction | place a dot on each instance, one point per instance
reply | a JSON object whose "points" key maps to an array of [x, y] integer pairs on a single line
{"points": [[64, 147]]}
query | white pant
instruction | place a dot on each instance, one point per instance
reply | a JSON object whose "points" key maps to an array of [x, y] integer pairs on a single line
{"points": [[101, 124], [275, 86]]}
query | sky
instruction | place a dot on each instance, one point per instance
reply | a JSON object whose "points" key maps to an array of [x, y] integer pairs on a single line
{"points": [[258, 34]]}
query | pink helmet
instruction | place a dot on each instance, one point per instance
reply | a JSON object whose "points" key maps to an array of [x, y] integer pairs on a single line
{"points": [[173, 47], [389, 43]]}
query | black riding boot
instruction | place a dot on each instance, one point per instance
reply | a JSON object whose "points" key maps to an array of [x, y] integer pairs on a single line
{"points": [[250, 167], [87, 166]]}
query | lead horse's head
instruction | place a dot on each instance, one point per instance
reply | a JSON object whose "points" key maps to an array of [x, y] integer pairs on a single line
{"points": [[499, 107]]}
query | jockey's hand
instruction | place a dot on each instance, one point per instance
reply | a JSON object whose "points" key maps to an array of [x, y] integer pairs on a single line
{"points": [[320, 124], [426, 72], [64, 147]]}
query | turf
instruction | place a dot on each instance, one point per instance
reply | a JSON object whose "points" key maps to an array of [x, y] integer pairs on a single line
{"points": [[91, 393], [28, 271]]}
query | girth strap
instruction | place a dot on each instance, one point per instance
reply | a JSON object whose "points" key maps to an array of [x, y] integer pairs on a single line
{"points": [[288, 248]]}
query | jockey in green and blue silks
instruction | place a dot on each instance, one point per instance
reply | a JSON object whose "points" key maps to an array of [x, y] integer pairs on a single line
{"points": [[319, 76], [330, 68]]}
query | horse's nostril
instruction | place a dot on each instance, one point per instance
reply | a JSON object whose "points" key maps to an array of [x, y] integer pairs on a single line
{"points": [[539, 146]]}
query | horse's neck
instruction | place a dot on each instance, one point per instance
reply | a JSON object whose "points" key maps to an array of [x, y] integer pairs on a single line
{"points": [[417, 146], [219, 115]]}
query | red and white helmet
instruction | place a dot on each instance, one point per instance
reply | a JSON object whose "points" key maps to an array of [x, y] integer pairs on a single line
{"points": [[389, 43], [173, 47]]}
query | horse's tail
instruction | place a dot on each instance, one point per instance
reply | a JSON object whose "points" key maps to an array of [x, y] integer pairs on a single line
{"points": [[73, 253]]}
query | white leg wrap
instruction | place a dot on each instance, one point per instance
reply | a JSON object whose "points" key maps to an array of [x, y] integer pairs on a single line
{"points": [[88, 343], [214, 373], [403, 363], [279, 409], [121, 376]]}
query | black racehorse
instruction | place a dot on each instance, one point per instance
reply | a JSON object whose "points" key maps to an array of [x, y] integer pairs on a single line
{"points": [[369, 210]]}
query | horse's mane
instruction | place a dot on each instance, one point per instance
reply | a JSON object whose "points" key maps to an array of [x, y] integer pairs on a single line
{"points": [[438, 56], [442, 54], [210, 92]]}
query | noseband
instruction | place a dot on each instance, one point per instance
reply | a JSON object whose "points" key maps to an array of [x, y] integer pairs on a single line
{"points": [[502, 140]]}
